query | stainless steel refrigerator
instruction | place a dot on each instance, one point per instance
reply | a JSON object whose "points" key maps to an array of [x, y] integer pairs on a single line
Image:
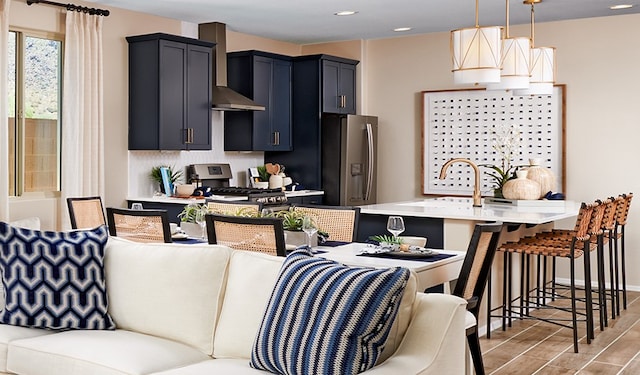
{"points": [[349, 159]]}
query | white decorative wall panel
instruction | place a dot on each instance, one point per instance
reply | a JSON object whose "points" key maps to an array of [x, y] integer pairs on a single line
{"points": [[464, 123]]}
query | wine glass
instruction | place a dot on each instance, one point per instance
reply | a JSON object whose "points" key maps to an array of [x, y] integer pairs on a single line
{"points": [[395, 225], [200, 215], [309, 227]]}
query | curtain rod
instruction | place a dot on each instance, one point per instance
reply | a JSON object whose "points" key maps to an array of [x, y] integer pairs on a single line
{"points": [[92, 11]]}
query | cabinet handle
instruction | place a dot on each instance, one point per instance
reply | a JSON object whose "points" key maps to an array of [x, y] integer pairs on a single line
{"points": [[189, 135], [276, 138], [343, 101]]}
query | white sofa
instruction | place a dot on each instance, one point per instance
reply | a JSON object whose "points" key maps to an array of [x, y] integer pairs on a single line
{"points": [[196, 309]]}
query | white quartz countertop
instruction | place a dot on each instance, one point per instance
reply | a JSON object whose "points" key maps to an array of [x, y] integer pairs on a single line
{"points": [[187, 200], [462, 208]]}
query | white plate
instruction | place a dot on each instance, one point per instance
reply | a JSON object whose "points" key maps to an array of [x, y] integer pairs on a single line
{"points": [[180, 236]]}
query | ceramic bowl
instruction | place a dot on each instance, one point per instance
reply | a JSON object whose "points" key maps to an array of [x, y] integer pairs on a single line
{"points": [[184, 190], [415, 241]]}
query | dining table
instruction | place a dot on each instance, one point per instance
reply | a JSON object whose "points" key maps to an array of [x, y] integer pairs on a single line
{"points": [[439, 268]]}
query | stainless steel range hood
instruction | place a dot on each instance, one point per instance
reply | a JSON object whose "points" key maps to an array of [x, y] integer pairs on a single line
{"points": [[222, 97]]}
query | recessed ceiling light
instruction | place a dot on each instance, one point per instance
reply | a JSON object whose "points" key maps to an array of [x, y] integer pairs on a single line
{"points": [[401, 29], [346, 13], [621, 6]]}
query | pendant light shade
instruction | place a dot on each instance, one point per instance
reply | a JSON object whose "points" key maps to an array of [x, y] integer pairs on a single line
{"points": [[514, 63], [542, 72], [542, 65], [475, 53]]}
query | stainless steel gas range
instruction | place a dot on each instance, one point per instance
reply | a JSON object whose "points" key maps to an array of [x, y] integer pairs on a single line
{"points": [[217, 176]]}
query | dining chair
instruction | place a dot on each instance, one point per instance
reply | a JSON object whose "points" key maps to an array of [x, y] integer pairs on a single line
{"points": [[139, 225], [240, 208], [259, 234], [85, 212], [473, 280], [340, 222]]}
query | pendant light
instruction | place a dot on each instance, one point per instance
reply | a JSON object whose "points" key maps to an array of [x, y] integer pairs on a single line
{"points": [[516, 55], [475, 53], [542, 64]]}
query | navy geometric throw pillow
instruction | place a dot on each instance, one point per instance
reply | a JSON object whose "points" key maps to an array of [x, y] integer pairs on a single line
{"points": [[327, 318], [54, 280]]}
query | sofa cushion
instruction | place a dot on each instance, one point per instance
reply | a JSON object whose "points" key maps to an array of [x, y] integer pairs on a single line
{"points": [[324, 317], [54, 279], [249, 284], [99, 353], [29, 223], [167, 290], [226, 366], [10, 333]]}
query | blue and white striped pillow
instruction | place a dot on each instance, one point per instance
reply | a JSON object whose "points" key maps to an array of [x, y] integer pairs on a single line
{"points": [[327, 318]]}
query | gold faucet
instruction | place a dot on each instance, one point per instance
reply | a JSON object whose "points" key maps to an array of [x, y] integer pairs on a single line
{"points": [[476, 188]]}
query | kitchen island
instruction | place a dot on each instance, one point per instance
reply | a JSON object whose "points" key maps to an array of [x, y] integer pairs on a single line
{"points": [[447, 222]]}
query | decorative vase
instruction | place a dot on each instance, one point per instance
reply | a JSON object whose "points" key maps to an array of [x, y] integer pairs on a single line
{"points": [[543, 176], [275, 181], [299, 238], [521, 188]]}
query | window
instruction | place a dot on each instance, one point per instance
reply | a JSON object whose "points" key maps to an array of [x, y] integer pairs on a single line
{"points": [[35, 91]]}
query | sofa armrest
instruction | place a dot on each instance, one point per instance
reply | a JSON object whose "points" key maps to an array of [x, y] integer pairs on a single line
{"points": [[435, 340]]}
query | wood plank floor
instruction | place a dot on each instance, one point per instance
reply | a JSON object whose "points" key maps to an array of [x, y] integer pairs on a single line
{"points": [[535, 347]]}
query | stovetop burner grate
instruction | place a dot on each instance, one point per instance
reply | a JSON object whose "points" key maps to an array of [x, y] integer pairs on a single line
{"points": [[242, 191]]}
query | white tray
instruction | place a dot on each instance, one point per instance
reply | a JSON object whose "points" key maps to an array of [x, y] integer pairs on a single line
{"points": [[524, 203]]}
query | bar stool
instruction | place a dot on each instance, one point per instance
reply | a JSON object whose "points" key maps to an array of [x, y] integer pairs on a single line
{"points": [[558, 247], [602, 218], [622, 212]]}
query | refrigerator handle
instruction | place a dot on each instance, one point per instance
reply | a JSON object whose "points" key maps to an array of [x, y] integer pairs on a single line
{"points": [[370, 161]]}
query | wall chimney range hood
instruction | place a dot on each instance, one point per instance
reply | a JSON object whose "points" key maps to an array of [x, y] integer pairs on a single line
{"points": [[222, 97]]}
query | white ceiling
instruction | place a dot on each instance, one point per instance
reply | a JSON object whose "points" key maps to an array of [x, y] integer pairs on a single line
{"points": [[313, 21]]}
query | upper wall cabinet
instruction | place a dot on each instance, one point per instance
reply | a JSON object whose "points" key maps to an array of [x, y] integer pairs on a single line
{"points": [[338, 87], [170, 80], [321, 84], [266, 79]]}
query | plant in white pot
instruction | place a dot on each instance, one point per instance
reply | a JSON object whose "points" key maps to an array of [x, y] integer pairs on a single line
{"points": [[292, 224], [188, 220]]}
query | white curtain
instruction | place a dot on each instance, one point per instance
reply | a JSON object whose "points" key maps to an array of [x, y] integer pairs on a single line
{"points": [[4, 112], [82, 110]]}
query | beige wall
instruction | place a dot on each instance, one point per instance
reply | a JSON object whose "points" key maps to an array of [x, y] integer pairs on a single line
{"points": [[595, 61], [597, 64]]}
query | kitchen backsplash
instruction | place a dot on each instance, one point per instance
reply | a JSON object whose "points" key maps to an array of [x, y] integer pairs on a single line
{"points": [[141, 162]]}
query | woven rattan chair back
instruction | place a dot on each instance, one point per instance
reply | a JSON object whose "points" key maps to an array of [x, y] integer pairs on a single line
{"points": [[85, 212], [477, 261], [234, 209], [340, 222], [622, 211], [609, 219], [473, 278], [258, 234], [139, 225]]}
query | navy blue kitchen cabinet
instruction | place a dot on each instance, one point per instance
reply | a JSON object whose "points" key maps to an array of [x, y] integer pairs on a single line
{"points": [[266, 79], [170, 81], [338, 87], [321, 84]]}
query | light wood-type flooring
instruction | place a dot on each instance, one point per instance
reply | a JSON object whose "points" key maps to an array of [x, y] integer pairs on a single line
{"points": [[535, 347]]}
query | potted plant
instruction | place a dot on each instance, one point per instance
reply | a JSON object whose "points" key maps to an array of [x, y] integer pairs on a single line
{"points": [[188, 219], [156, 175], [292, 224]]}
